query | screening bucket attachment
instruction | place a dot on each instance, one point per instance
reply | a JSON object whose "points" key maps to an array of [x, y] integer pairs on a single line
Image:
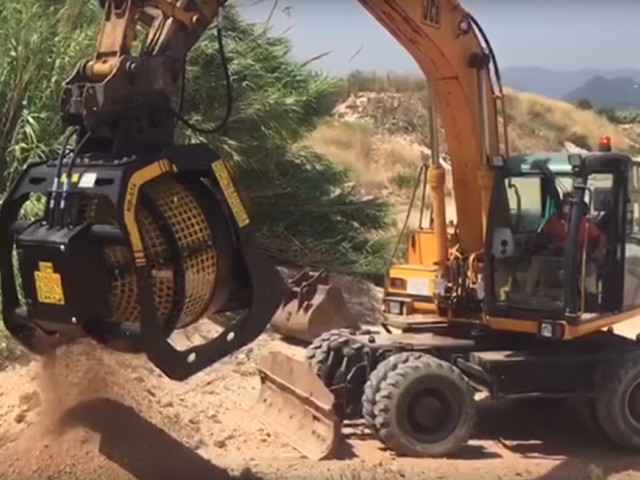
{"points": [[312, 307], [295, 404]]}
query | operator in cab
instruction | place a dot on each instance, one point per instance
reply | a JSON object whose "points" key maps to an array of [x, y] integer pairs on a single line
{"points": [[555, 232], [557, 227]]}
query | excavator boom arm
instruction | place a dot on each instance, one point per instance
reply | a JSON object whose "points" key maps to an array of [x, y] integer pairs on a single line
{"points": [[172, 27], [440, 35], [136, 77]]}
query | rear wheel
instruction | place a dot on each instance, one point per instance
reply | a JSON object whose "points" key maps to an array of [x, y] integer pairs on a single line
{"points": [[617, 399], [585, 408], [425, 408], [374, 381], [317, 353], [339, 361]]}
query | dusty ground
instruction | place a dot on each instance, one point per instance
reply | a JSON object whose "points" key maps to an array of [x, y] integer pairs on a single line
{"points": [[95, 414]]}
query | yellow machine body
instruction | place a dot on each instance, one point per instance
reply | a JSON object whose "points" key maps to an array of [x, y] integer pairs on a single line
{"points": [[164, 232]]}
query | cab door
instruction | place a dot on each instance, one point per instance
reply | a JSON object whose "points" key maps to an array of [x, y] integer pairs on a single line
{"points": [[629, 253]]}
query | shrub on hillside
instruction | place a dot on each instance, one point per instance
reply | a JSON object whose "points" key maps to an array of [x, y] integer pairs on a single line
{"points": [[390, 82], [620, 117], [404, 180], [584, 104]]}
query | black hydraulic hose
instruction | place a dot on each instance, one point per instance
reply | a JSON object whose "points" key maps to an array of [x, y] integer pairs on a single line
{"points": [[229, 86], [55, 190], [496, 72], [492, 55], [423, 170], [60, 211]]}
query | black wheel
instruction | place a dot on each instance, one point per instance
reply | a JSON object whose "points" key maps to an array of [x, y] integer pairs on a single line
{"points": [[372, 386], [425, 408], [585, 408], [316, 353], [339, 361], [617, 399]]}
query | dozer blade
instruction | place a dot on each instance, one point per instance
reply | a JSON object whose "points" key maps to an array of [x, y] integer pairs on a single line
{"points": [[295, 404], [312, 307]]}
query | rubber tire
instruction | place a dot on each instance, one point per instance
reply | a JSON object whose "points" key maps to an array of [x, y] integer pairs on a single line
{"points": [[612, 381], [374, 381], [316, 352], [585, 408], [426, 370]]}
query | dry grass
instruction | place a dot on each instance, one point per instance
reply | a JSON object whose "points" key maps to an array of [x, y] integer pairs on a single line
{"points": [[350, 144], [372, 159], [359, 81], [381, 161], [537, 123]]}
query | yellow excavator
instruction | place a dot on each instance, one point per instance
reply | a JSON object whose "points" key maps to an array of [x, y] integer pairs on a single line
{"points": [[167, 241], [518, 301]]}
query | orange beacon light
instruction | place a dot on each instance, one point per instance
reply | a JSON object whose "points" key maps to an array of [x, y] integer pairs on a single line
{"points": [[604, 144]]}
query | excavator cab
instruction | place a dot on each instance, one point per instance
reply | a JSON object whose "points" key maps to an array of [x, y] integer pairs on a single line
{"points": [[534, 270]]}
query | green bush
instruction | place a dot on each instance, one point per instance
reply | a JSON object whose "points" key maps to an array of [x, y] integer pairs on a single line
{"points": [[584, 104], [404, 180], [42, 42], [595, 473], [298, 198], [620, 116]]}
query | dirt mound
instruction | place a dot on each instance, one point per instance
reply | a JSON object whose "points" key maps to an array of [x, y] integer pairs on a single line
{"points": [[88, 412], [91, 413], [535, 123], [58, 394], [396, 114]]}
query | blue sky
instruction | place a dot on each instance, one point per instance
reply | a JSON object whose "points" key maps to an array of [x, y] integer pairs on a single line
{"points": [[557, 34]]}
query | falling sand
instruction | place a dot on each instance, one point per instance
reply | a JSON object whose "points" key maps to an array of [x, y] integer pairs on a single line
{"points": [[54, 423]]}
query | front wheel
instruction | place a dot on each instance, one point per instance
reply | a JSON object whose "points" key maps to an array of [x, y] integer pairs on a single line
{"points": [[585, 408], [372, 387], [617, 399], [425, 408]]}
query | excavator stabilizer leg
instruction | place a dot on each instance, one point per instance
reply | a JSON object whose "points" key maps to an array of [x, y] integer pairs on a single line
{"points": [[311, 308], [295, 404]]}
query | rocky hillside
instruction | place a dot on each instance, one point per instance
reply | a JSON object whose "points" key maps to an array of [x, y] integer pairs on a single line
{"points": [[382, 137]]}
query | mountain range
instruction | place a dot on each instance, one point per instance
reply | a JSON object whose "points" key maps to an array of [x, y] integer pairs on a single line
{"points": [[603, 88]]}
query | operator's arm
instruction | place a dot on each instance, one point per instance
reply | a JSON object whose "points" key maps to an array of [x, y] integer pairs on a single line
{"points": [[556, 231], [595, 237]]}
